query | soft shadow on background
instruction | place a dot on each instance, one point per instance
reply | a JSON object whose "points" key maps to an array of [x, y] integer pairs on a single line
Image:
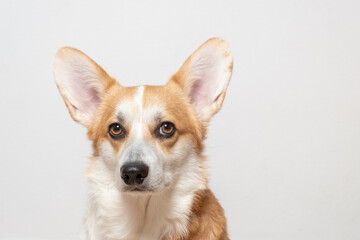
{"points": [[284, 151]]}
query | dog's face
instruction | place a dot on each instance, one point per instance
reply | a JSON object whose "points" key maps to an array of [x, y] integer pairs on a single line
{"points": [[146, 136]]}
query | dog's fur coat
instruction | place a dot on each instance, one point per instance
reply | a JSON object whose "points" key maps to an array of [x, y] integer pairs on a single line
{"points": [[173, 201]]}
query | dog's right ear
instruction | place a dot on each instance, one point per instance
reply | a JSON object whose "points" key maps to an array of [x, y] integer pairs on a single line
{"points": [[81, 83]]}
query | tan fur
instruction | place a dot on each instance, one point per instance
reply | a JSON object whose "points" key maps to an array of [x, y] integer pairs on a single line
{"points": [[178, 110], [106, 115], [207, 219]]}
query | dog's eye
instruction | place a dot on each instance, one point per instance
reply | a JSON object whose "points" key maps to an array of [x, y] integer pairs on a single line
{"points": [[166, 129], [116, 131]]}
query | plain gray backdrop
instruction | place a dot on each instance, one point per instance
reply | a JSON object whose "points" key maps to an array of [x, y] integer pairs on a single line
{"points": [[284, 151]]}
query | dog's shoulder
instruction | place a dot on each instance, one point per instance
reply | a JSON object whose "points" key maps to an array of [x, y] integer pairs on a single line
{"points": [[208, 219]]}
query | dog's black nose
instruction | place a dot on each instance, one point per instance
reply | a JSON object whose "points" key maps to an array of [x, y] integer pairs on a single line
{"points": [[134, 173]]}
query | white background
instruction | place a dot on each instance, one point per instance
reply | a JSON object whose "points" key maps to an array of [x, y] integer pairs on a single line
{"points": [[284, 151]]}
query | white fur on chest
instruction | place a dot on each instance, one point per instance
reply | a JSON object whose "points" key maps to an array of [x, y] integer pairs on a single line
{"points": [[112, 215]]}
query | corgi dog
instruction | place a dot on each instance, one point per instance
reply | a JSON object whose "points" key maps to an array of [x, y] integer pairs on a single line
{"points": [[148, 175]]}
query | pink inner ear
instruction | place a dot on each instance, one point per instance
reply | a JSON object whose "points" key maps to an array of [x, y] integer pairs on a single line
{"points": [[203, 90], [86, 94], [198, 95], [94, 101]]}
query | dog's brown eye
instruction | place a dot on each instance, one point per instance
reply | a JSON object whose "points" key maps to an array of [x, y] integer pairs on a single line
{"points": [[167, 129], [116, 130]]}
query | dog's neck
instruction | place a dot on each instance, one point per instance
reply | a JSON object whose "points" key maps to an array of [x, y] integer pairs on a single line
{"points": [[114, 215]]}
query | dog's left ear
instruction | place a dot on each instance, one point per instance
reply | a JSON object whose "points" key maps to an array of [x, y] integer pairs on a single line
{"points": [[205, 75]]}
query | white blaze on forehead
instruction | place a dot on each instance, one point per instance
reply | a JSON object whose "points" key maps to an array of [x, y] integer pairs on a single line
{"points": [[138, 123], [139, 98], [130, 113]]}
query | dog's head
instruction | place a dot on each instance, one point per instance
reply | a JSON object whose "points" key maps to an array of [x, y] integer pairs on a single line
{"points": [[146, 137]]}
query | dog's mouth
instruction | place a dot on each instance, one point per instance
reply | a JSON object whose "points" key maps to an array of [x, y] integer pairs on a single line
{"points": [[137, 189]]}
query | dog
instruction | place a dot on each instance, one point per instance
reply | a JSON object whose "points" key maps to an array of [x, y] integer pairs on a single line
{"points": [[148, 175]]}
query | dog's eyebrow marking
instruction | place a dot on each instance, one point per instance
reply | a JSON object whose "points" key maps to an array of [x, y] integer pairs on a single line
{"points": [[158, 117], [121, 117], [154, 114]]}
